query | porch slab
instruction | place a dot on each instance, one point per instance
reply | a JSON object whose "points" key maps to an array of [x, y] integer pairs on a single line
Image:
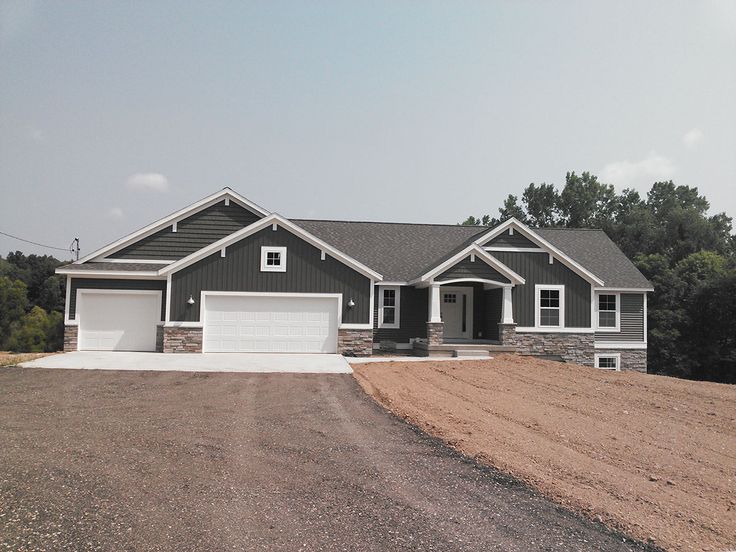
{"points": [[457, 349]]}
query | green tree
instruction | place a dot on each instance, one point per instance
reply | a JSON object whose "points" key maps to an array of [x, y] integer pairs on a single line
{"points": [[541, 204], [584, 202], [29, 333], [511, 208], [13, 304]]}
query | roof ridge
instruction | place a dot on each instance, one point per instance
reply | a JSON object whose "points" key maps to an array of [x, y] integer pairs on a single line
{"points": [[393, 222]]}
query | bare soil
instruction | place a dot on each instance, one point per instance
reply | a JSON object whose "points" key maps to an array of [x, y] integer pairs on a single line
{"points": [[11, 359], [649, 455], [180, 461]]}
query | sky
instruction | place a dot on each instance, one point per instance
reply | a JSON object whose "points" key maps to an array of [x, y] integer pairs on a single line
{"points": [[114, 114]]}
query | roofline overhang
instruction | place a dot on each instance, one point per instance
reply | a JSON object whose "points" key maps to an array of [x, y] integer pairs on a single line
{"points": [[123, 274], [473, 248]]}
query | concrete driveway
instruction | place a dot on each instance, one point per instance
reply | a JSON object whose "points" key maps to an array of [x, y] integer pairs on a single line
{"points": [[204, 362]]}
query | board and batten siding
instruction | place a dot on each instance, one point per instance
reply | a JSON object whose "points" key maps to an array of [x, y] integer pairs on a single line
{"points": [[413, 312], [535, 269], [472, 269], [240, 270], [109, 283], [506, 240], [632, 320], [192, 233]]}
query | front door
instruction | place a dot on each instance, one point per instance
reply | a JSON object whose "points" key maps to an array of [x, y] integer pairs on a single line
{"points": [[456, 308]]}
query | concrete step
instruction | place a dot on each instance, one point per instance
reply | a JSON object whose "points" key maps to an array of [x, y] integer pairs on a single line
{"points": [[471, 353]]}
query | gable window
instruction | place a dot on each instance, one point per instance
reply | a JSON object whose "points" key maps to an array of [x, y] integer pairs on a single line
{"points": [[388, 307], [273, 259], [608, 312], [550, 306], [610, 361]]}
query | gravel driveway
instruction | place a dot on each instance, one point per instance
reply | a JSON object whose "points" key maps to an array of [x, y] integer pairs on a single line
{"points": [[188, 461]]}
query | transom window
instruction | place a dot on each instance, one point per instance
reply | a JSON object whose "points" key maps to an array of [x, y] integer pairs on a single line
{"points": [[450, 298], [388, 307], [608, 311], [273, 259], [608, 362], [550, 306]]}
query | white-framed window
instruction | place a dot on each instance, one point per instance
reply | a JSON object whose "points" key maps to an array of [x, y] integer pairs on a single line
{"points": [[608, 361], [273, 259], [389, 306], [608, 312], [550, 306]]}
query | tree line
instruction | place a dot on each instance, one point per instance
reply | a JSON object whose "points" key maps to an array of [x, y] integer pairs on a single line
{"points": [[688, 255]]}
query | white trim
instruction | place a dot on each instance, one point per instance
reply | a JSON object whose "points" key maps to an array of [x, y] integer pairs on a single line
{"points": [[136, 261], [551, 259], [140, 275], [173, 227], [223, 253], [511, 231], [553, 329], [396, 307], [265, 250], [227, 202], [208, 201], [67, 299], [472, 280], [390, 283], [533, 236], [433, 312], [537, 305], [183, 325], [472, 257], [619, 345], [261, 224], [596, 307], [355, 327], [480, 253], [322, 255], [516, 249], [274, 227], [167, 318], [646, 323], [617, 356], [623, 290], [507, 307]]}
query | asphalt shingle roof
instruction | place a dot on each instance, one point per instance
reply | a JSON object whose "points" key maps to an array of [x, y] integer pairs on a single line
{"points": [[115, 267]]}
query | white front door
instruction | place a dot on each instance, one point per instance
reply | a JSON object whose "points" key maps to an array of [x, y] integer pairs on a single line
{"points": [[261, 323], [456, 308]]}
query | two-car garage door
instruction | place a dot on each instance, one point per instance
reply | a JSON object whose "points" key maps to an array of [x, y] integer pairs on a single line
{"points": [[270, 323]]}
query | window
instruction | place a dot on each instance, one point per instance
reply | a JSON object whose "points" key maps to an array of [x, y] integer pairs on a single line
{"points": [[608, 361], [550, 303], [449, 298], [608, 312], [389, 306], [273, 259]]}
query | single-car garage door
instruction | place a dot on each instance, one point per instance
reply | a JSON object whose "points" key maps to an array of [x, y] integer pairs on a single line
{"points": [[118, 320], [270, 324]]}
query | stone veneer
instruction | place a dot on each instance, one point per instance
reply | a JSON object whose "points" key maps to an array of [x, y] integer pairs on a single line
{"points": [[571, 347], [631, 359], [70, 338], [160, 338], [435, 333], [182, 340], [358, 343]]}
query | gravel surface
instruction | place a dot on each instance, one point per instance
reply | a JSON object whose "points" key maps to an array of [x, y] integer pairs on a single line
{"points": [[649, 455], [186, 461]]}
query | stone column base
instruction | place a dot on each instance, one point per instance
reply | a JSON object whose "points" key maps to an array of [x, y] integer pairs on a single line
{"points": [[357, 343], [159, 339], [70, 338], [182, 340], [507, 334], [435, 333]]}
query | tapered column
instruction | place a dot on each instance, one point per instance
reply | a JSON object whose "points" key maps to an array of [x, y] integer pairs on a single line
{"points": [[434, 303], [507, 313]]}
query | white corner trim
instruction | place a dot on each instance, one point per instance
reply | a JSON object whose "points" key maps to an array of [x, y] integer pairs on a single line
{"points": [[265, 250], [536, 238], [175, 217], [167, 318], [67, 321], [397, 307], [619, 345], [480, 254], [617, 356], [537, 305], [552, 329], [264, 223]]}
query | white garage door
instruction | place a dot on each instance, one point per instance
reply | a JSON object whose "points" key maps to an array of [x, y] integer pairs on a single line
{"points": [[118, 321], [270, 324]]}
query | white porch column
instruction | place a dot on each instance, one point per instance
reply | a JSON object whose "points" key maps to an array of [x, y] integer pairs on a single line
{"points": [[434, 304], [507, 313]]}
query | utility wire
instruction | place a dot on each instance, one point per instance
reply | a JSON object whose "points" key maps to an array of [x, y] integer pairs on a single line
{"points": [[36, 243]]}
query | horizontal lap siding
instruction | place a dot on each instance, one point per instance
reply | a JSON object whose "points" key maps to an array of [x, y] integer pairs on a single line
{"points": [[632, 320], [468, 269], [193, 233], [517, 240], [240, 270], [535, 269], [413, 314], [105, 283]]}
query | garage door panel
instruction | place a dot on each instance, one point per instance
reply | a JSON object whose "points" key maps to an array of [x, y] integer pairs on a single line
{"points": [[118, 321], [270, 324]]}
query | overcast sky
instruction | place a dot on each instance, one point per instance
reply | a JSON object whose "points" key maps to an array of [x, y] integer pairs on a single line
{"points": [[114, 114]]}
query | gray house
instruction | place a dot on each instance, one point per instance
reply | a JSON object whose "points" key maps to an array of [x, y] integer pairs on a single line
{"points": [[225, 275]]}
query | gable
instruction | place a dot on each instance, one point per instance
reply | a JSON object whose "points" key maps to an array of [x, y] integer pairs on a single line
{"points": [[192, 233], [467, 268], [511, 240]]}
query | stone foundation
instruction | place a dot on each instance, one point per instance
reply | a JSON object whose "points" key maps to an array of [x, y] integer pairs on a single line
{"points": [[159, 339], [358, 343], [435, 333], [631, 359], [507, 334], [70, 338], [571, 347], [181, 340]]}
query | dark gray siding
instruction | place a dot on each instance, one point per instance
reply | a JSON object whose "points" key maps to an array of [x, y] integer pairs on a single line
{"points": [[107, 283], [240, 270], [632, 320], [517, 240], [468, 269], [490, 301], [535, 269], [192, 233], [413, 313]]}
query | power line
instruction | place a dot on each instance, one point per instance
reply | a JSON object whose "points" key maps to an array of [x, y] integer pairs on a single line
{"points": [[68, 249]]}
